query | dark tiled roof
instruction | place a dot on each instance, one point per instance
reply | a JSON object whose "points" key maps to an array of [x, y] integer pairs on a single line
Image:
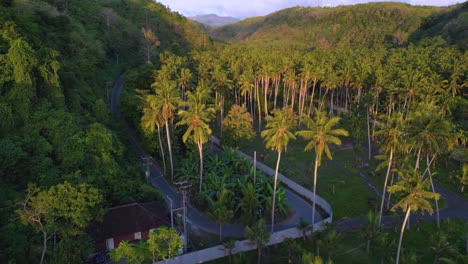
{"points": [[128, 219]]}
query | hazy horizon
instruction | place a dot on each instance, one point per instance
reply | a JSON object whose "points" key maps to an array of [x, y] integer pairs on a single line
{"points": [[244, 8]]}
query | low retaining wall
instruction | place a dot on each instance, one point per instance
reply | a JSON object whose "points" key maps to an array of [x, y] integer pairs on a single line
{"points": [[219, 251]]}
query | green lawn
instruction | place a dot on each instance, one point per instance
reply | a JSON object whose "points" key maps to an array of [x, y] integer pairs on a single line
{"points": [[338, 179]]}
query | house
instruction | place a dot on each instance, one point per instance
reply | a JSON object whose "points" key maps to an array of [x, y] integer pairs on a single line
{"points": [[131, 222]]}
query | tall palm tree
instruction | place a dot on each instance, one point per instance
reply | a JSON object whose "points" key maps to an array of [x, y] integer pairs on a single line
{"points": [[152, 119], [321, 133], [197, 118], [277, 133], [431, 135], [412, 189], [393, 137], [167, 100]]}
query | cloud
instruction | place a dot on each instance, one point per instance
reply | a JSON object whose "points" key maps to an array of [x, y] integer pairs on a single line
{"points": [[249, 8]]}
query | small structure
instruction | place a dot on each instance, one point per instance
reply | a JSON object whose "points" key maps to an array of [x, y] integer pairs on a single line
{"points": [[131, 222]]}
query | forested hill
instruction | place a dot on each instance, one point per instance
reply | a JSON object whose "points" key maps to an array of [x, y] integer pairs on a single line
{"points": [[58, 60], [362, 24]]}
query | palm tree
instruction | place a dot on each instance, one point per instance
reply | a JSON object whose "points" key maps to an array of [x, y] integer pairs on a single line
{"points": [[220, 211], [166, 99], [372, 230], [152, 119], [304, 227], [197, 118], [393, 136], [277, 135], [229, 247], [430, 134], [414, 197], [258, 236], [320, 132]]}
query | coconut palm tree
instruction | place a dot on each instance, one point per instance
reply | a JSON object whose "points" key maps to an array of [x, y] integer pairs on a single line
{"points": [[372, 230], [277, 133], [412, 189], [393, 140], [152, 119], [430, 135], [167, 100], [321, 133], [220, 211], [258, 236], [196, 118]]}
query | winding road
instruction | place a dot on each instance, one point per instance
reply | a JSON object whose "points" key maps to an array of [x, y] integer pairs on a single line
{"points": [[300, 207]]}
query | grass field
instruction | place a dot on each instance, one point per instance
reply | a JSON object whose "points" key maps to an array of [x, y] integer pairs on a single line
{"points": [[338, 180]]}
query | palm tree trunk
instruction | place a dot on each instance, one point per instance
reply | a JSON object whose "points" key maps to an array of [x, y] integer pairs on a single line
{"points": [[170, 149], [162, 149], [390, 194], [368, 136], [401, 234], [200, 152], [311, 104], [433, 190], [315, 189], [44, 247], [418, 157], [274, 192], [390, 160]]}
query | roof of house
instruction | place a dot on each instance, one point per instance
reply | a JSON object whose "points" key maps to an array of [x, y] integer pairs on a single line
{"points": [[129, 219]]}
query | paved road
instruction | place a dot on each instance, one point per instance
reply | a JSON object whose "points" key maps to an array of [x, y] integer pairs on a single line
{"points": [[300, 207]]}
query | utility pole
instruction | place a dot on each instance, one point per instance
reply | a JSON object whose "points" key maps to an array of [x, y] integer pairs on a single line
{"points": [[184, 188]]}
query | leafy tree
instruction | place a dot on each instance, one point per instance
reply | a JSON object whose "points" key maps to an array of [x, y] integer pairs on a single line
{"points": [[320, 132], [150, 42], [237, 126], [64, 208], [258, 236], [133, 254], [164, 243], [197, 118], [277, 133]]}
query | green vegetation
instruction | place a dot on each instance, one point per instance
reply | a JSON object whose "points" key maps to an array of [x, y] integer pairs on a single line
{"points": [[390, 74], [163, 243], [58, 60]]}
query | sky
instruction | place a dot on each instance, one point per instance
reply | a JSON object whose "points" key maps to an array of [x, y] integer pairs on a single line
{"points": [[250, 8]]}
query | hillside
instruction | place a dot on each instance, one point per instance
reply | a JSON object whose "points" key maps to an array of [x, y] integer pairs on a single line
{"points": [[215, 20], [362, 24], [58, 61]]}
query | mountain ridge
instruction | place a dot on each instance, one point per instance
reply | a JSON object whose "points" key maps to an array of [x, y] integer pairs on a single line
{"points": [[214, 20]]}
